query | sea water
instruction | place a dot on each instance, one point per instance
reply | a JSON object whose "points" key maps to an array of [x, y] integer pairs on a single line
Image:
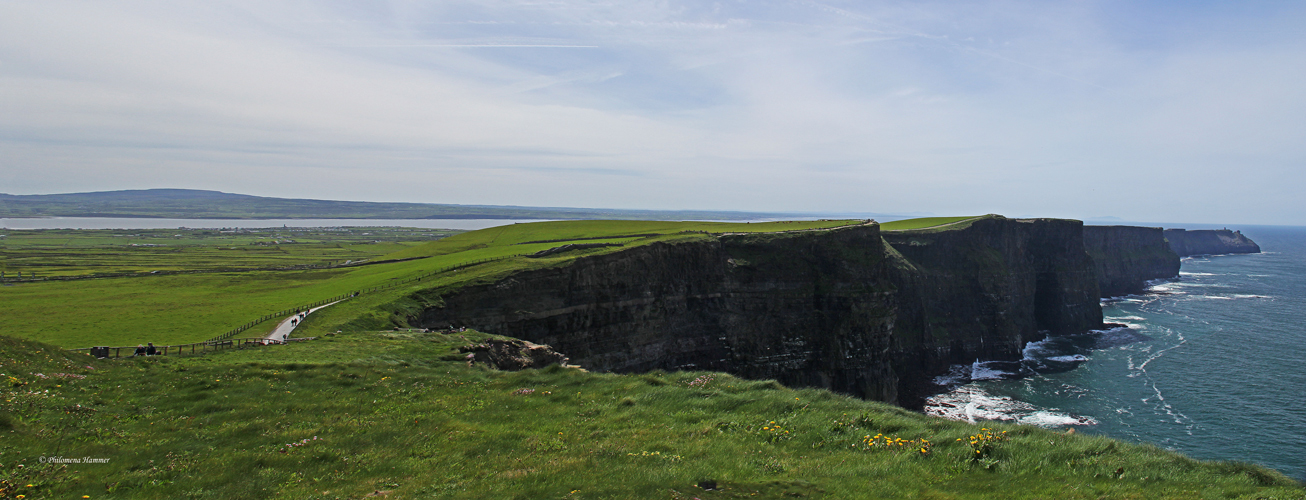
{"points": [[1212, 364]]}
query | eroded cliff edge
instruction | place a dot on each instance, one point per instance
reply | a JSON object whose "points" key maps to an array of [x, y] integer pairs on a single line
{"points": [[812, 308], [983, 290], [1209, 242], [850, 309], [1127, 257]]}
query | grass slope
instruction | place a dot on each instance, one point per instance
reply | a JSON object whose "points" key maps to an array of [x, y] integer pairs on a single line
{"points": [[400, 415]]}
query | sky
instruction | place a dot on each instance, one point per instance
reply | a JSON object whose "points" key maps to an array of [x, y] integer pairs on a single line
{"points": [[1155, 111]]}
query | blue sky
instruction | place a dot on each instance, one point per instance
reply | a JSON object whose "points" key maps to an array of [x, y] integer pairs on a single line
{"points": [[1157, 111]]}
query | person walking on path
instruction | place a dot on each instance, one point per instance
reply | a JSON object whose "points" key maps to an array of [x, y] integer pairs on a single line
{"points": [[281, 333]]}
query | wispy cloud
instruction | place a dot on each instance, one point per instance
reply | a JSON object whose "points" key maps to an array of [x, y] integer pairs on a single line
{"points": [[1065, 109]]}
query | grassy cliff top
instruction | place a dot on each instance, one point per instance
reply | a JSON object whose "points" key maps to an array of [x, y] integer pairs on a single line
{"points": [[182, 308], [520, 237], [930, 223], [402, 415]]}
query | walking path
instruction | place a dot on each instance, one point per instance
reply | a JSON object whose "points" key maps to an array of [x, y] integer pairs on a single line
{"points": [[282, 332]]}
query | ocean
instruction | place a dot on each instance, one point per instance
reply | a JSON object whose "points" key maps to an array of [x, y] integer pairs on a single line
{"points": [[1212, 364]]}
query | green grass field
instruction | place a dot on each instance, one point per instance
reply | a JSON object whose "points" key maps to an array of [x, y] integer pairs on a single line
{"points": [[176, 309], [76, 252], [400, 415]]}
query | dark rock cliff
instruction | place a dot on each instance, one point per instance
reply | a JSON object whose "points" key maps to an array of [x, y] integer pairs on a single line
{"points": [[838, 309], [1126, 257], [983, 291], [1209, 242], [810, 309]]}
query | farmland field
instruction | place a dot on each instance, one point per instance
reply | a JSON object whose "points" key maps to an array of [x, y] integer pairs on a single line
{"points": [[77, 252]]}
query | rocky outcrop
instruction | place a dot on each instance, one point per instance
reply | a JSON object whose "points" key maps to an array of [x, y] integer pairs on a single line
{"points": [[512, 354], [983, 290], [1209, 242], [809, 309], [1127, 257]]}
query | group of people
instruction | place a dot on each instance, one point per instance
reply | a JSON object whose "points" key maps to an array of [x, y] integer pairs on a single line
{"points": [[149, 350], [299, 315]]}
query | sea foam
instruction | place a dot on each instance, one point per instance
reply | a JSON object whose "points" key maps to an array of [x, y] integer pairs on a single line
{"points": [[971, 403]]}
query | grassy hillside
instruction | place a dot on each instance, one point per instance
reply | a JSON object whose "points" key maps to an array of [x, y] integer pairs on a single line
{"points": [[174, 309], [401, 415]]}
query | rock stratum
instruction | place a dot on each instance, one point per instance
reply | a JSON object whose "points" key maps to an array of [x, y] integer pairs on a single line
{"points": [[877, 314], [1209, 242]]}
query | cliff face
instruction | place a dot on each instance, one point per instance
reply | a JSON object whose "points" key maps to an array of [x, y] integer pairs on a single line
{"points": [[809, 309], [1126, 257], [838, 309], [1209, 242], [984, 291]]}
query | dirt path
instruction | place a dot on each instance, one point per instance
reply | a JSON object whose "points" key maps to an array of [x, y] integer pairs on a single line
{"points": [[282, 332]]}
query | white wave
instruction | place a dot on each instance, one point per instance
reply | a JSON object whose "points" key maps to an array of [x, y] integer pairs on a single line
{"points": [[1129, 299], [1142, 367], [1232, 297], [1114, 319], [1069, 359], [958, 374], [1035, 350], [1126, 338], [982, 371], [1177, 416], [1049, 419], [1186, 273], [971, 403], [1168, 288], [1127, 327]]}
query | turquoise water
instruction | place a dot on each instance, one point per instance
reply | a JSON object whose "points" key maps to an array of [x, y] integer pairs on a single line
{"points": [[1212, 365]]}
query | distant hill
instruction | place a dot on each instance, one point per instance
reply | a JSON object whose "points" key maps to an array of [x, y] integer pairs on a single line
{"points": [[200, 204]]}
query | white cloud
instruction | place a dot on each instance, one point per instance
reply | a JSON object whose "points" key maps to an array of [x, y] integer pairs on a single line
{"points": [[1012, 107]]}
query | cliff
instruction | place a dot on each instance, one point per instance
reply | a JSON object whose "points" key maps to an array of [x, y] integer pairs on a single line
{"points": [[982, 290], [808, 308], [1209, 242], [837, 309], [1127, 257]]}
